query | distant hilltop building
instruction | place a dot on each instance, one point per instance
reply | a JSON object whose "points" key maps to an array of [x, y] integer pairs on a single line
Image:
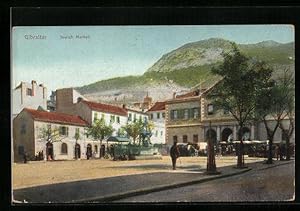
{"points": [[28, 95], [145, 105]]}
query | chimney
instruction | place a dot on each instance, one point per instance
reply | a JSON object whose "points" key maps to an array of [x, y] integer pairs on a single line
{"points": [[124, 106], [33, 86]]}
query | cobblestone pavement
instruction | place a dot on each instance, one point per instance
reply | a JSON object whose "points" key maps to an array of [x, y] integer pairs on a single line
{"points": [[262, 184], [43, 173]]}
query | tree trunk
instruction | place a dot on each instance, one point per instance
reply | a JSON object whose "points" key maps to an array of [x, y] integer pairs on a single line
{"points": [[288, 154], [240, 163], [270, 154]]}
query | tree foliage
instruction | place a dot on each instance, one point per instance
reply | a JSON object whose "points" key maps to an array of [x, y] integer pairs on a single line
{"points": [[242, 77], [100, 130], [49, 133], [134, 129], [275, 102]]}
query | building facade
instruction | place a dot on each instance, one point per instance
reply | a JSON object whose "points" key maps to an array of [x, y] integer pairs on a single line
{"points": [[192, 118], [28, 95], [112, 115], [157, 115], [52, 134]]}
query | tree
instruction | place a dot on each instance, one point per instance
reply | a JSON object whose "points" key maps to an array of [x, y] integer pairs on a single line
{"points": [[99, 130], [288, 82], [237, 90], [134, 129], [275, 103], [50, 134]]}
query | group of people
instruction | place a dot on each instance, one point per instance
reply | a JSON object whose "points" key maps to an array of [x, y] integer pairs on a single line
{"points": [[39, 155]]}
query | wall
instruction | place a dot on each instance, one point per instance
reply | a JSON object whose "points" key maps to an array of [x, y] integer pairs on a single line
{"points": [[64, 101], [107, 117], [21, 100], [159, 131], [185, 130], [23, 135], [83, 141], [84, 112], [262, 132]]}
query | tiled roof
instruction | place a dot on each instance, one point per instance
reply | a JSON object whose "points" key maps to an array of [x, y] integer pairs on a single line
{"points": [[106, 108], [56, 117], [158, 106]]}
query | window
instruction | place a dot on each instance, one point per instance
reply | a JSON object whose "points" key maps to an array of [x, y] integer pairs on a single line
{"points": [[134, 117], [64, 148], [129, 116], [140, 118], [186, 114], [195, 138], [184, 139], [151, 116], [77, 134], [102, 116], [174, 114], [20, 150], [95, 116], [112, 119], [96, 148], [175, 138], [156, 133], [210, 109], [63, 131], [163, 114], [145, 119], [23, 128], [196, 113], [29, 92], [158, 115], [161, 133], [180, 114], [118, 119]]}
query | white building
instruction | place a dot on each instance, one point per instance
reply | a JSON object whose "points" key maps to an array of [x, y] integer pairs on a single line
{"points": [[135, 115], [114, 115], [28, 95], [29, 136], [157, 116]]}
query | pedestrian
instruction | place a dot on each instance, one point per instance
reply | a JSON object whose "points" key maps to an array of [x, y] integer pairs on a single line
{"points": [[174, 153], [25, 157]]}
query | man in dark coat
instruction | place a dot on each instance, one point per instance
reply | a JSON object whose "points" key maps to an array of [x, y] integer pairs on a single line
{"points": [[174, 153]]}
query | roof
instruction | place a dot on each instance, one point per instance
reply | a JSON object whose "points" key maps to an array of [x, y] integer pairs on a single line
{"points": [[105, 108], [55, 117], [189, 94], [158, 106], [135, 111]]}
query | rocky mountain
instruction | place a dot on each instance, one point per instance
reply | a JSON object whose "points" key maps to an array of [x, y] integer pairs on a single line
{"points": [[184, 68]]}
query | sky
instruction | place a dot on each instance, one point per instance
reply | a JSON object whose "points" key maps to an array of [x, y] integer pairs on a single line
{"points": [[105, 52]]}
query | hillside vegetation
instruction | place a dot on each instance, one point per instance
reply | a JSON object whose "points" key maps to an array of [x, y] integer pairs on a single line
{"points": [[190, 64]]}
